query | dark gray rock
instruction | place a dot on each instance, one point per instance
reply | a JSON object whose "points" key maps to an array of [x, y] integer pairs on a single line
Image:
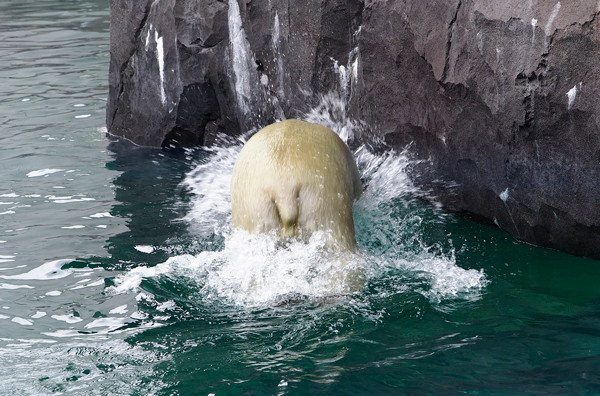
{"points": [[501, 97]]}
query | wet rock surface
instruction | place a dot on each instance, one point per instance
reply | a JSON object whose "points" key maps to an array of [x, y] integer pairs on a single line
{"points": [[501, 98]]}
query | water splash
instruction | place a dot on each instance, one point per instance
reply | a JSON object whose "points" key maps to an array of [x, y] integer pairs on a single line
{"points": [[209, 182], [331, 112], [260, 270]]}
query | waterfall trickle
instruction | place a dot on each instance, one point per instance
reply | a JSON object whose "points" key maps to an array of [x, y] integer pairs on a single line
{"points": [[160, 56], [550, 25], [241, 58], [276, 45]]}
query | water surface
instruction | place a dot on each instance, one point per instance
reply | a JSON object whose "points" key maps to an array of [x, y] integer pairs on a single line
{"points": [[117, 275]]}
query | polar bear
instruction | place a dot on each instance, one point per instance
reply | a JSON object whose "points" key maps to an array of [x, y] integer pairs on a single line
{"points": [[295, 177]]}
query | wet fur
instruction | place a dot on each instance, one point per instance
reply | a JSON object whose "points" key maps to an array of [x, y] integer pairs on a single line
{"points": [[296, 178]]}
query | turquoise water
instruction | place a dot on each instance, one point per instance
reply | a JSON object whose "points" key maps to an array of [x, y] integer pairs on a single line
{"points": [[117, 275]]}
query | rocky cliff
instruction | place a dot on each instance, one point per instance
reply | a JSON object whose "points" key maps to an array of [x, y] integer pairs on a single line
{"points": [[502, 97]]}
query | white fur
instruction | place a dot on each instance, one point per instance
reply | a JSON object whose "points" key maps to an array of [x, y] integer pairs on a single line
{"points": [[296, 178]]}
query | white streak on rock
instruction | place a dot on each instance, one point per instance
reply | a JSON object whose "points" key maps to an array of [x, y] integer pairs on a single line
{"points": [[160, 56], [504, 195], [549, 24], [277, 51], [241, 56], [533, 25], [354, 68], [572, 94], [148, 38]]}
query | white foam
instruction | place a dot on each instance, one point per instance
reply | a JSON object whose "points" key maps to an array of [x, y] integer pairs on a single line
{"points": [[109, 323], [83, 116], [121, 309], [447, 281], [254, 270], [46, 271], [54, 293], [71, 200], [38, 315], [8, 286], [99, 282], [100, 215], [166, 306], [131, 280], [144, 248], [64, 333], [9, 195], [73, 227], [21, 321], [67, 318], [43, 172]]}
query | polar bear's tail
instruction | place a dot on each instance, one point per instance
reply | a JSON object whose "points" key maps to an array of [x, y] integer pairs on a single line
{"points": [[287, 209]]}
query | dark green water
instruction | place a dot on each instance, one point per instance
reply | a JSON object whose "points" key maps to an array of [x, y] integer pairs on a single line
{"points": [[117, 276]]}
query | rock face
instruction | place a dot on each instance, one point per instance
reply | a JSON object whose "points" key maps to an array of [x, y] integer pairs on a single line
{"points": [[501, 97]]}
